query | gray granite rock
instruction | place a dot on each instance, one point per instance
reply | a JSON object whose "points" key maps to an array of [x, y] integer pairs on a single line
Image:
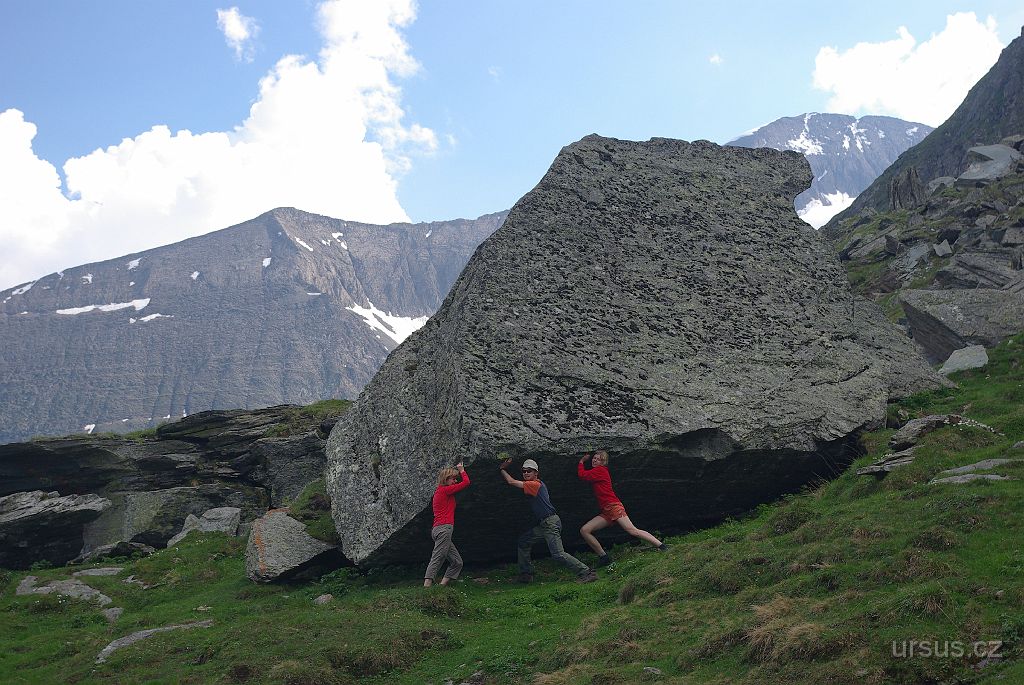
{"points": [[660, 299], [290, 463], [906, 190], [218, 520], [915, 429], [104, 571], [883, 466], [69, 587], [968, 478], [131, 639], [117, 549], [979, 267], [971, 357], [989, 163], [44, 526], [983, 465], [1013, 237], [942, 321], [279, 548], [153, 517], [942, 249]]}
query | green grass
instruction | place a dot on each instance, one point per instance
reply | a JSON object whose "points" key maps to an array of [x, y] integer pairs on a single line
{"points": [[813, 589], [300, 419], [313, 507]]}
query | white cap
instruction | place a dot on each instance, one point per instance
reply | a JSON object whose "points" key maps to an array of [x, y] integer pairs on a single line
{"points": [[531, 464]]}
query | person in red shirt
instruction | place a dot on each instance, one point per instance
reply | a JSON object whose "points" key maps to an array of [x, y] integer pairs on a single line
{"points": [[443, 502], [611, 508]]}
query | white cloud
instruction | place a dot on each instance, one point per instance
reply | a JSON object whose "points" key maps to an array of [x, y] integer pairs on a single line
{"points": [[239, 32], [915, 81], [715, 59], [494, 73], [324, 135]]}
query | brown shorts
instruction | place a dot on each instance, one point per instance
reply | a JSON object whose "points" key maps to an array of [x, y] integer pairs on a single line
{"points": [[613, 512]]}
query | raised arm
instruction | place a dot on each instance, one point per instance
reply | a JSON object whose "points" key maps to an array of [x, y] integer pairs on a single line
{"points": [[461, 485], [509, 479], [581, 471]]}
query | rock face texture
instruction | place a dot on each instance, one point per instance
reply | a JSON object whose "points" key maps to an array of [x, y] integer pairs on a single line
{"points": [[659, 299], [845, 153], [43, 526], [993, 108], [289, 307], [150, 487], [948, 320]]}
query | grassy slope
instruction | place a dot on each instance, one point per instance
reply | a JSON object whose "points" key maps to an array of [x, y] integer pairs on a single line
{"points": [[811, 590]]}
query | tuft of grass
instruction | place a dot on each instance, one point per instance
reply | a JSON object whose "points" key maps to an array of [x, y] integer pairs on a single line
{"points": [[313, 507]]}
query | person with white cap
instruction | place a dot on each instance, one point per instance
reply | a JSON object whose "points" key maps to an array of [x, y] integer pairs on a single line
{"points": [[548, 526]]}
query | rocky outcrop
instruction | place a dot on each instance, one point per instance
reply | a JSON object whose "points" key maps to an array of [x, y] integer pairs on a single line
{"points": [[906, 190], [972, 357], [942, 321], [219, 520], [993, 108], [989, 163], [248, 460], [44, 526], [660, 299], [290, 307], [279, 548]]}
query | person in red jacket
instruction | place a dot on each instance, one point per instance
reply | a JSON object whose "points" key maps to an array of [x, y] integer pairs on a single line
{"points": [[448, 483], [612, 510]]}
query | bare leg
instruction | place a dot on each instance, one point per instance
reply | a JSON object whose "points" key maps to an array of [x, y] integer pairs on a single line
{"points": [[588, 530], [628, 526]]}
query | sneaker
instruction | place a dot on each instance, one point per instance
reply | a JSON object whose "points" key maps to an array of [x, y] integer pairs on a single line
{"points": [[525, 578], [663, 547], [604, 560], [588, 577]]}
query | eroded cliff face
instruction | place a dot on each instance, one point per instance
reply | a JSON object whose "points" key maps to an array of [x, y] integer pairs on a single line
{"points": [[290, 307], [659, 299]]}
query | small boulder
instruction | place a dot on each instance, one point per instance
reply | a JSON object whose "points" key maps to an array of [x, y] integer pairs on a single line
{"points": [[142, 635], [916, 429], [280, 548], [989, 164], [942, 249], [323, 599], [971, 357], [218, 520], [117, 549], [883, 466], [983, 465], [1013, 237]]}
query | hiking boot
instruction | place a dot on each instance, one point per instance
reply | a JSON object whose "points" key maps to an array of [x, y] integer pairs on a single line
{"points": [[663, 547], [588, 577], [525, 578], [603, 560]]}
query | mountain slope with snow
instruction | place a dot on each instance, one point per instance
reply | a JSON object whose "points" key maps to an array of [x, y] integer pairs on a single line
{"points": [[845, 153], [289, 307]]}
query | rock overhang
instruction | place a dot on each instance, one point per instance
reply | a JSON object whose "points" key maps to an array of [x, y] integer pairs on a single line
{"points": [[643, 294]]}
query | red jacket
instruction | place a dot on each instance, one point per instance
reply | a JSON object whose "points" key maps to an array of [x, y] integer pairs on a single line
{"points": [[444, 501], [601, 481]]}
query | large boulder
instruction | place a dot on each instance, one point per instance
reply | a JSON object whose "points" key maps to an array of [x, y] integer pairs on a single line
{"points": [[44, 526], [942, 321], [218, 520], [279, 548], [659, 299]]}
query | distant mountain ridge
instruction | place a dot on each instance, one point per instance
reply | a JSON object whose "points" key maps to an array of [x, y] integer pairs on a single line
{"points": [[845, 153], [290, 307], [992, 110]]}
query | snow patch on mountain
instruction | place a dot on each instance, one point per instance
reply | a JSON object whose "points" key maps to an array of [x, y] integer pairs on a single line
{"points": [[818, 213], [113, 307], [803, 143], [134, 264], [398, 328]]}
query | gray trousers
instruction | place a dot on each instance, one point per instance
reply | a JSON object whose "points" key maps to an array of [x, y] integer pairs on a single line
{"points": [[444, 548], [550, 531]]}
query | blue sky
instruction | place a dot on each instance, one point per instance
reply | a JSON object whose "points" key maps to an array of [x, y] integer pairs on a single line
{"points": [[394, 110]]}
